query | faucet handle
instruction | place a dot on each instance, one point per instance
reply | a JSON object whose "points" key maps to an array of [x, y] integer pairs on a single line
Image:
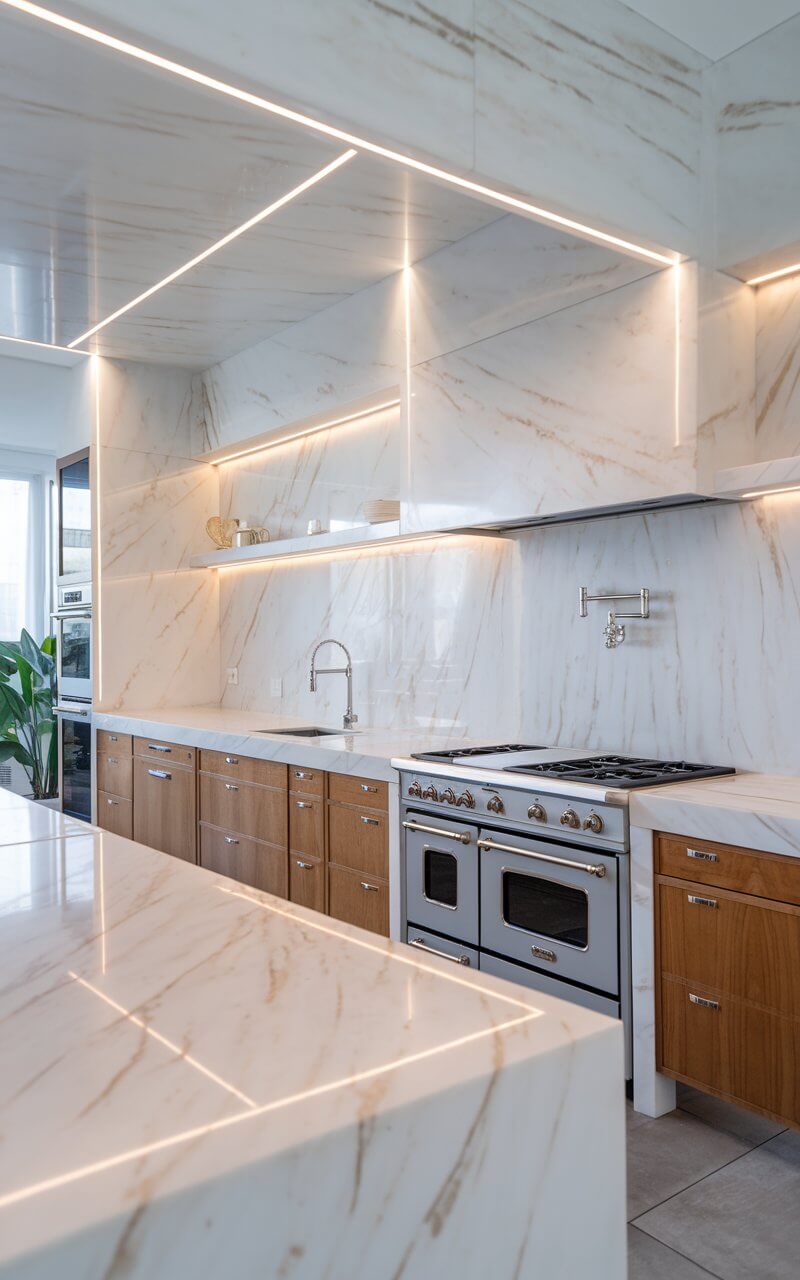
{"points": [[350, 720]]}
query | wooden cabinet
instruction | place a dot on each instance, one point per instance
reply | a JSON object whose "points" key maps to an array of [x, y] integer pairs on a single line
{"points": [[310, 781], [115, 814], [358, 852], [307, 825], [165, 806], [164, 752], [728, 972], [345, 789], [249, 861], [307, 881], [359, 839], [114, 767], [244, 807], [115, 774], [267, 773], [359, 899]]}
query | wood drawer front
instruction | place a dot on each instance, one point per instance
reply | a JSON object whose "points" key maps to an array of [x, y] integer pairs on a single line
{"points": [[115, 774], [307, 881], [252, 862], [164, 811], [348, 790], [114, 813], [118, 744], [765, 875], [245, 768], [742, 946], [249, 810], [359, 839], [309, 781], [359, 899], [169, 752], [307, 825], [738, 1051]]}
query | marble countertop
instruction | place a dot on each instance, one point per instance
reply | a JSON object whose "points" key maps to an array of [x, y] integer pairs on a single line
{"points": [[188, 1062], [756, 810], [367, 752]]}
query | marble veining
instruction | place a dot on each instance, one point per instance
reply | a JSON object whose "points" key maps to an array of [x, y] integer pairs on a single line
{"points": [[223, 1058]]}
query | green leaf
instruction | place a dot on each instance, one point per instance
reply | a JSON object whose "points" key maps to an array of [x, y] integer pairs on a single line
{"points": [[16, 751], [49, 646], [41, 663], [11, 701], [45, 726]]}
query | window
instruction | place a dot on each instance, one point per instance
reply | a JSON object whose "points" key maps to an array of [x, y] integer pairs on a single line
{"points": [[24, 596]]}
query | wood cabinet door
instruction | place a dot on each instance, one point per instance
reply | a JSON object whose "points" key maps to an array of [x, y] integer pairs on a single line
{"points": [[359, 899], [359, 839], [267, 773], [165, 753], [726, 866], [264, 866], [307, 825], [115, 774], [116, 744], [115, 814], [164, 808], [345, 789], [259, 812], [310, 781], [307, 881]]}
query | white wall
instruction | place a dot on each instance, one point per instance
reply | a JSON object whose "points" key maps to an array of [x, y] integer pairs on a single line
{"points": [[40, 407]]}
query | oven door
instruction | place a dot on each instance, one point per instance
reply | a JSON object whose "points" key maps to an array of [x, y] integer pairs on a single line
{"points": [[442, 875], [552, 906], [74, 655], [75, 762]]}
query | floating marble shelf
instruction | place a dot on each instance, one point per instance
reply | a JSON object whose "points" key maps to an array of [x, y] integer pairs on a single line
{"points": [[362, 536]]}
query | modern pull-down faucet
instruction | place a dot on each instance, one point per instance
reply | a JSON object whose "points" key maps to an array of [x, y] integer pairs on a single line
{"points": [[349, 719]]}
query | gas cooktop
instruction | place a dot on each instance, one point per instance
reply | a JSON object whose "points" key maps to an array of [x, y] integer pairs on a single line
{"points": [[621, 771], [454, 755]]}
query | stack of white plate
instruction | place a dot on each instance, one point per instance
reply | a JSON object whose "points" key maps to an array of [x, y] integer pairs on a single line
{"points": [[380, 510]]}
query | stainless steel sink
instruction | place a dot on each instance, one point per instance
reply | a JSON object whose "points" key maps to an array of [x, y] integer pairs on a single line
{"points": [[306, 731]]}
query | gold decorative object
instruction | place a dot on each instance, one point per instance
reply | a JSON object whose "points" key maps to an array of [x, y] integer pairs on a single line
{"points": [[221, 532]]}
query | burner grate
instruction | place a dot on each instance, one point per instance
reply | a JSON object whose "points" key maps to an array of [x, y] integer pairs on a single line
{"points": [[621, 771], [466, 753]]}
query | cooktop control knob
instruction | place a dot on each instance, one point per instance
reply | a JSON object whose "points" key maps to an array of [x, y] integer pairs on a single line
{"points": [[569, 818], [495, 805], [593, 822], [448, 796], [415, 790], [430, 793], [538, 812], [466, 799]]}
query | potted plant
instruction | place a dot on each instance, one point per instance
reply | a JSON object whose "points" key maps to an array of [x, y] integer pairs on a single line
{"points": [[27, 724]]}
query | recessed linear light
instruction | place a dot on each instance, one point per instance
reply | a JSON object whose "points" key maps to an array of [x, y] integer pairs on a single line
{"points": [[220, 244], [300, 435], [765, 493], [775, 275], [317, 126], [44, 346]]}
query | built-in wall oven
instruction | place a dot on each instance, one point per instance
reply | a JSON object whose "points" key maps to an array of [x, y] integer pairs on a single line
{"points": [[72, 625]]}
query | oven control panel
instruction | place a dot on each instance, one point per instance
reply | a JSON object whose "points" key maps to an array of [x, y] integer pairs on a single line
{"points": [[561, 817]]}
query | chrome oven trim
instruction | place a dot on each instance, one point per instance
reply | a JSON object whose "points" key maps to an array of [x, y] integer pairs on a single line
{"points": [[446, 906], [531, 933]]}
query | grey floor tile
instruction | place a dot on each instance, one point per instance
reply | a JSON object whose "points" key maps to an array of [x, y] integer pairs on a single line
{"points": [[747, 1125], [743, 1222], [666, 1155], [648, 1259]]}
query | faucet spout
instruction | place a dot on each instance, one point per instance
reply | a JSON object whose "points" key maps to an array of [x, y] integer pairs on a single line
{"points": [[349, 718]]}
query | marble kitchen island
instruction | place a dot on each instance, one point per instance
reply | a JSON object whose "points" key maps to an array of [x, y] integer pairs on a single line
{"points": [[201, 1079]]}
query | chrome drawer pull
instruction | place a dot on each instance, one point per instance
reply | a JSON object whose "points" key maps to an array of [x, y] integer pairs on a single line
{"points": [[159, 773], [591, 868], [305, 866], [231, 759], [697, 901], [371, 888], [304, 804], [365, 787], [434, 951], [301, 773], [701, 855], [112, 737], [112, 759], [463, 836], [153, 746], [110, 801], [231, 786], [231, 840], [704, 1004], [370, 822]]}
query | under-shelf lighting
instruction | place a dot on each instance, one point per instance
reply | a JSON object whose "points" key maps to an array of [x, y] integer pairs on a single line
{"points": [[390, 543], [766, 493], [317, 126], [775, 275], [307, 431]]}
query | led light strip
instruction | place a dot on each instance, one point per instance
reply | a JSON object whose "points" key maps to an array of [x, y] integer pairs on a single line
{"points": [[308, 431], [765, 493], [46, 346], [220, 244], [775, 275], [361, 144]]}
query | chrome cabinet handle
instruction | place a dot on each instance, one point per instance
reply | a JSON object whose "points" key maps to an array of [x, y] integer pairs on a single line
{"points": [[697, 901], [301, 773], [701, 855], [591, 868], [703, 1002], [305, 866], [112, 760], [463, 837], [231, 786], [370, 822], [371, 888], [112, 737], [154, 746], [434, 951], [304, 804], [159, 773], [110, 801], [231, 840], [231, 759], [366, 787]]}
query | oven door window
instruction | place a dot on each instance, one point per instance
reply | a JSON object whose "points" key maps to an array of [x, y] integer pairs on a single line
{"points": [[441, 878], [76, 649], [547, 908]]}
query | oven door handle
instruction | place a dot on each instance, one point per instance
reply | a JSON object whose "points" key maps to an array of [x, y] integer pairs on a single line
{"points": [[591, 868], [68, 617], [434, 951], [70, 711], [463, 837]]}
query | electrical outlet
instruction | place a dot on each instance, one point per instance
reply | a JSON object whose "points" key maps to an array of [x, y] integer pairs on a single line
{"points": [[232, 675], [276, 687]]}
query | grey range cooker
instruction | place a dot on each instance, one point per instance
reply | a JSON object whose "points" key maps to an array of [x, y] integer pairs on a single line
{"points": [[515, 861]]}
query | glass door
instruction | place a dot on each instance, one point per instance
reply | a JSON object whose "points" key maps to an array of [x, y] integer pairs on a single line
{"points": [[75, 751], [74, 657], [74, 517]]}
